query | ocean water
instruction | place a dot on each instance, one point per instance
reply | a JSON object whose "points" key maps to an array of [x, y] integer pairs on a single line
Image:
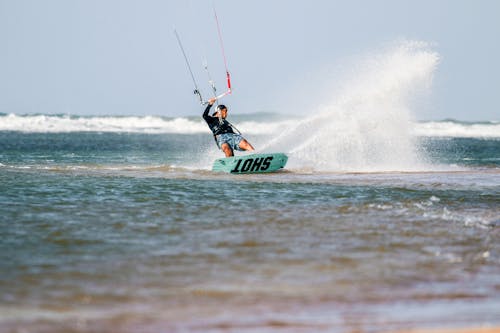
{"points": [[122, 231], [379, 222]]}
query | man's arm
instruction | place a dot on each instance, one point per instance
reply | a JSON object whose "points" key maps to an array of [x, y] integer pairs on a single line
{"points": [[207, 109], [211, 102]]}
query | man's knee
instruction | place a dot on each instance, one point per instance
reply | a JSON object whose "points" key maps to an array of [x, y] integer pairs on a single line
{"points": [[244, 144]]}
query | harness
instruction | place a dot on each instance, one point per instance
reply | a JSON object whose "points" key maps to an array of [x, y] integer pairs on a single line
{"points": [[235, 130]]}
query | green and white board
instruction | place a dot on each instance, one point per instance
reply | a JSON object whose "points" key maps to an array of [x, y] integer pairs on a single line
{"points": [[253, 163]]}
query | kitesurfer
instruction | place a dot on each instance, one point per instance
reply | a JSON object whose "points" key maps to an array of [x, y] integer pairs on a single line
{"points": [[227, 137]]}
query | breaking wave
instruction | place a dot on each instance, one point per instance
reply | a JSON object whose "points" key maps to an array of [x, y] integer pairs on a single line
{"points": [[191, 125], [130, 124]]}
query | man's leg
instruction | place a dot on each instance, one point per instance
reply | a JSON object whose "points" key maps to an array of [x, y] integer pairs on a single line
{"points": [[245, 145], [226, 149]]}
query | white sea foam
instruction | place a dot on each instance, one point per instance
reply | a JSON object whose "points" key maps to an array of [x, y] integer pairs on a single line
{"points": [[63, 124], [457, 129], [158, 125], [137, 124]]}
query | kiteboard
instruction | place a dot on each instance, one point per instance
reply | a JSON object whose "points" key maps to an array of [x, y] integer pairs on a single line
{"points": [[252, 163]]}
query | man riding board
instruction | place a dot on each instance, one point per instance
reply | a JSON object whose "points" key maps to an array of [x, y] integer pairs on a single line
{"points": [[228, 138]]}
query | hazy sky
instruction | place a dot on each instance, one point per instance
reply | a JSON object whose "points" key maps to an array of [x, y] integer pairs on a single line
{"points": [[120, 57]]}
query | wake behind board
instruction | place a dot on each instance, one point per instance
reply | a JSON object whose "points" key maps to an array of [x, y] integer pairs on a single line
{"points": [[253, 163]]}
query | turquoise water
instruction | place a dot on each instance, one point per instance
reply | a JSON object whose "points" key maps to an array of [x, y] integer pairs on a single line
{"points": [[128, 232]]}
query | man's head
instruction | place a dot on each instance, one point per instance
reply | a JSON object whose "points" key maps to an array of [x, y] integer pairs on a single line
{"points": [[221, 111]]}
